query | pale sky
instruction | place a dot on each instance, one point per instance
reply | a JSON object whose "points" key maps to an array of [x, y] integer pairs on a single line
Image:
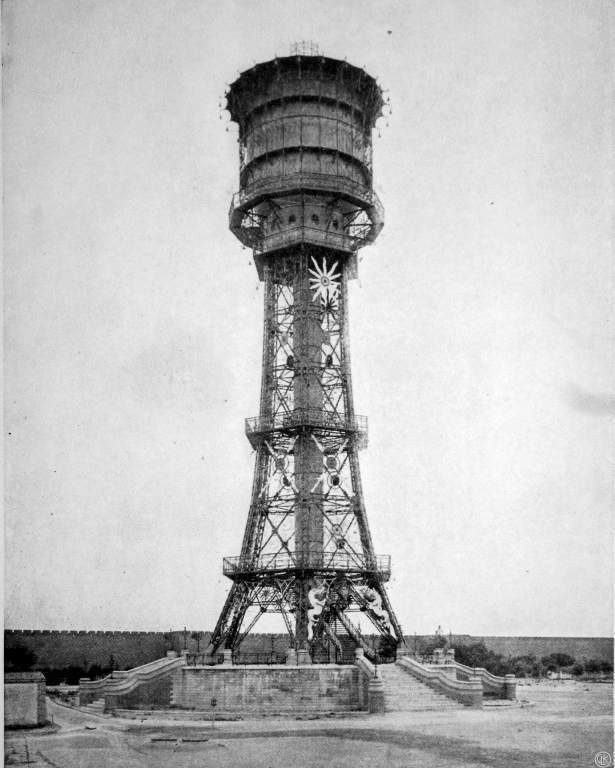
{"points": [[481, 325]]}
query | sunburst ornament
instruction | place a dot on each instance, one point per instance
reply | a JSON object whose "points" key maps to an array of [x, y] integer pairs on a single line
{"points": [[324, 282]]}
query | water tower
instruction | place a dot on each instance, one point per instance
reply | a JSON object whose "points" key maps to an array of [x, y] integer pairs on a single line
{"points": [[305, 206]]}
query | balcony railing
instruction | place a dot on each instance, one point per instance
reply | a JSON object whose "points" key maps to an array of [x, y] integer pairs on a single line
{"points": [[303, 233], [254, 237], [328, 182], [348, 562], [315, 418], [254, 657]]}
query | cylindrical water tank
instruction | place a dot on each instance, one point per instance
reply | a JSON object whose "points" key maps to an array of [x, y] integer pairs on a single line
{"points": [[305, 125]]}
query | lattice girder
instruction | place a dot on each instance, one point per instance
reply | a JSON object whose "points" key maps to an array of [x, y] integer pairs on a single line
{"points": [[307, 522]]}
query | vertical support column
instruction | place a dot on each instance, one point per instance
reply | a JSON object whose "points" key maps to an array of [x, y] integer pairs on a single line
{"points": [[375, 694], [308, 400], [267, 374], [510, 687]]}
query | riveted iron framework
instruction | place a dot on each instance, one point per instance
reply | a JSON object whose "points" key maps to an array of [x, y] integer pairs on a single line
{"points": [[305, 206]]}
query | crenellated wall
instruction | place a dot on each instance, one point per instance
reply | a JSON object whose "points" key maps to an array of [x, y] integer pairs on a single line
{"points": [[60, 648], [57, 649]]}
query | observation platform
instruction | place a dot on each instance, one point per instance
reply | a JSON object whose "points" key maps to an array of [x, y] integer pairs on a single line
{"points": [[258, 429], [240, 568], [250, 231]]}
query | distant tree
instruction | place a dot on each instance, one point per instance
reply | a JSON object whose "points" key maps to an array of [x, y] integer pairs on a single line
{"points": [[564, 659], [69, 675], [19, 658], [578, 669], [95, 672], [597, 666], [474, 655], [72, 674], [606, 667], [439, 641], [592, 667], [52, 676], [523, 666], [477, 655], [555, 661], [498, 665]]}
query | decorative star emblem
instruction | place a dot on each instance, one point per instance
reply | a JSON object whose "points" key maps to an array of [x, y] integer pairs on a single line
{"points": [[324, 282]]}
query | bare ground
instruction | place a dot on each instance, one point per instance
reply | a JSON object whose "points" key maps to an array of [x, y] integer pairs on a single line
{"points": [[564, 727]]}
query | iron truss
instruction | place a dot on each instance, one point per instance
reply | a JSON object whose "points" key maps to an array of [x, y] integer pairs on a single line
{"points": [[307, 551]]}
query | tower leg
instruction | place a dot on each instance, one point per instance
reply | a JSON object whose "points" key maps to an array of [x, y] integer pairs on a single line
{"points": [[229, 623]]}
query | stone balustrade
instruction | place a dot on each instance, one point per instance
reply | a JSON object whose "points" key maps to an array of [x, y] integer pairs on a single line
{"points": [[90, 690], [502, 687], [468, 692], [149, 684], [371, 685]]}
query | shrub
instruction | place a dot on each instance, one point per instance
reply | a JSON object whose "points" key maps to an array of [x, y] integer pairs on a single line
{"points": [[477, 655], [555, 661], [592, 667]]}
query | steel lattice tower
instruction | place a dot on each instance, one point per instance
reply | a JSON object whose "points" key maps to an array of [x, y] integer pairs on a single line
{"points": [[305, 206]]}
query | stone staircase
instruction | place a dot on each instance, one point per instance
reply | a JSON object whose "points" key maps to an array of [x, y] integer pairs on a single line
{"points": [[346, 653], [404, 693], [148, 686], [96, 707]]}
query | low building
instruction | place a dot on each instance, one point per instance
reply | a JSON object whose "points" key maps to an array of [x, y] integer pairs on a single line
{"points": [[24, 699]]}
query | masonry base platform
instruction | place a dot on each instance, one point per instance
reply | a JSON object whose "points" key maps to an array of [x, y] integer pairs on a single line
{"points": [[317, 688], [291, 689]]}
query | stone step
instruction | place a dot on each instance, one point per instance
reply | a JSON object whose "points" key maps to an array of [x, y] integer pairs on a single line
{"points": [[426, 699], [426, 702], [98, 705], [409, 706], [404, 693], [410, 696], [407, 695], [413, 690], [413, 695]]}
